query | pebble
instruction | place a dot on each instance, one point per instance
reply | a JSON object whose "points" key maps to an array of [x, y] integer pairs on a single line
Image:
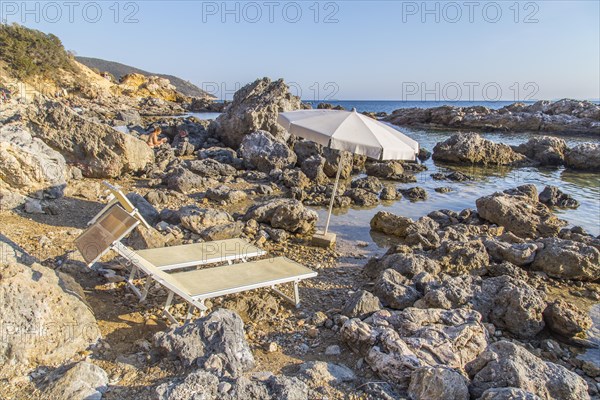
{"points": [[271, 347], [333, 350], [224, 387], [312, 332]]}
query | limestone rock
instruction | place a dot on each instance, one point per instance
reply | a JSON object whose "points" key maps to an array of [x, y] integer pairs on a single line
{"points": [[256, 107], [438, 383], [198, 219], [505, 364], [216, 342], [262, 151], [565, 319], [83, 381], [361, 305], [286, 214], [585, 156], [28, 165], [568, 259], [547, 150], [470, 148], [395, 291], [553, 196]]}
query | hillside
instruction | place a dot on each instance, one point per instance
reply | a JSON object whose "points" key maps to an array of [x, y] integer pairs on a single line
{"points": [[118, 70]]}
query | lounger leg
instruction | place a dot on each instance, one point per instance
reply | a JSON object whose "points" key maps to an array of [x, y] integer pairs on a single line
{"points": [[131, 284], [166, 312], [190, 313], [146, 289], [296, 294]]}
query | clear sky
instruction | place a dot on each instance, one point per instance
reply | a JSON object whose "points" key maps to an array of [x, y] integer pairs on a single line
{"points": [[387, 50]]}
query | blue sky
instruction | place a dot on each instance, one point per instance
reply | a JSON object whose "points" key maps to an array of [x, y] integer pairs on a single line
{"points": [[387, 50]]}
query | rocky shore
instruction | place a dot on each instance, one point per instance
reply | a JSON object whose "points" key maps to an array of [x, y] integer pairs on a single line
{"points": [[490, 302], [543, 116]]}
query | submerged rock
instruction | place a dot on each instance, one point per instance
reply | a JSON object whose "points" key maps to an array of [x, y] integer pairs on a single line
{"points": [[505, 365]]}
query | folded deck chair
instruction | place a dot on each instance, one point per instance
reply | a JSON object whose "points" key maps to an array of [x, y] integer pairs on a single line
{"points": [[193, 286]]}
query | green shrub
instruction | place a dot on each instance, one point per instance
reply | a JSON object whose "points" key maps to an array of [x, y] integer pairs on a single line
{"points": [[28, 52]]}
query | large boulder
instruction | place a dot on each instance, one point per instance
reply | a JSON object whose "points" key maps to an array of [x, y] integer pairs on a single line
{"points": [[546, 150], [262, 151], [361, 305], [585, 156], [256, 107], [395, 291], [470, 148], [402, 341], [458, 257], [391, 224], [28, 165], [97, 149], [521, 215], [47, 308], [567, 259], [505, 364], [216, 343], [287, 214]]}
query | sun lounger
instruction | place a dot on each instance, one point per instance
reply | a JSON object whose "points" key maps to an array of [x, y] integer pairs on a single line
{"points": [[193, 286]]}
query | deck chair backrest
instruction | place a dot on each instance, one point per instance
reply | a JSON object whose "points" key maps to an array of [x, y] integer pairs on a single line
{"points": [[126, 203], [108, 229]]}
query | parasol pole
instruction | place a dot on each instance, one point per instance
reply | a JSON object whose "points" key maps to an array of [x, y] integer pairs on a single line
{"points": [[335, 186]]}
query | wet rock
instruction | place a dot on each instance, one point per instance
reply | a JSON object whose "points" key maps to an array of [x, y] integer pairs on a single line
{"points": [[384, 170], [83, 381], [394, 290], [262, 151], [390, 224], [197, 219], [256, 107], [443, 189], [519, 214], [49, 304], [295, 179], [438, 383], [225, 195], [546, 150], [470, 148], [286, 214], [568, 259], [210, 168], [519, 254], [505, 364], [414, 194], [585, 156], [320, 372], [369, 183], [362, 197], [215, 343], [28, 165], [147, 210], [565, 319], [424, 154], [455, 176], [97, 149], [389, 192], [553, 196]]}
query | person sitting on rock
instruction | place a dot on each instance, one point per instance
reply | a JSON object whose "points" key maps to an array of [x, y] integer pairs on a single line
{"points": [[153, 140]]}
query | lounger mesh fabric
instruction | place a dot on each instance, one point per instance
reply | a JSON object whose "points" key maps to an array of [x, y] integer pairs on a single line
{"points": [[109, 228], [189, 255]]}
